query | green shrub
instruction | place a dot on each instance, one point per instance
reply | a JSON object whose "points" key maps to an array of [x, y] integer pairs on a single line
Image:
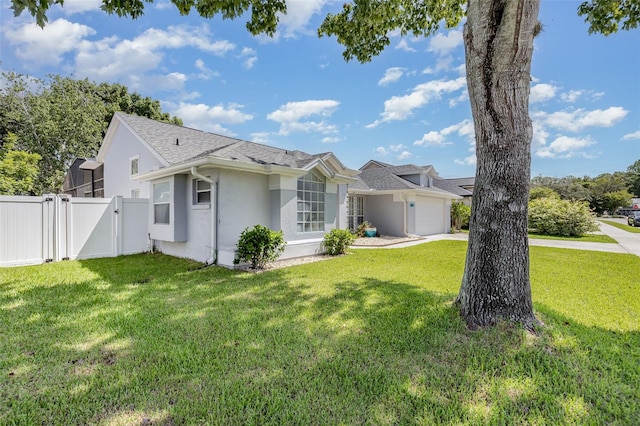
{"points": [[551, 216], [460, 214], [338, 241], [259, 246]]}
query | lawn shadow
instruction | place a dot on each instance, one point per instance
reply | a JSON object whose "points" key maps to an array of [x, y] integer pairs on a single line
{"points": [[170, 344]]}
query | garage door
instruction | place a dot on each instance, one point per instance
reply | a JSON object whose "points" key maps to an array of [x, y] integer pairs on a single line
{"points": [[430, 216]]}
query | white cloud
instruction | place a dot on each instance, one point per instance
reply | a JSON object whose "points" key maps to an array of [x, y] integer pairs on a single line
{"points": [[250, 55], [467, 161], [542, 92], [391, 75], [331, 139], [210, 118], [396, 148], [579, 119], [401, 107], [403, 44], [291, 116], [381, 150], [632, 136], [112, 58], [49, 44], [443, 44], [205, 73], [80, 6], [438, 138], [299, 13], [174, 81], [404, 155], [564, 147], [571, 96]]}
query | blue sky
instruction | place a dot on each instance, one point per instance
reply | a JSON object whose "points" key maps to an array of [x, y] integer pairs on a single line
{"points": [[409, 105]]}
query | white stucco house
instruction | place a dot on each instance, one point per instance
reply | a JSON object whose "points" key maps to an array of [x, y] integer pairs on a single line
{"points": [[205, 189], [402, 200]]}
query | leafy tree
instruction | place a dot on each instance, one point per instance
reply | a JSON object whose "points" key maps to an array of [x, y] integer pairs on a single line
{"points": [[18, 169], [62, 119], [633, 178], [460, 214], [498, 38], [537, 192], [608, 192]]}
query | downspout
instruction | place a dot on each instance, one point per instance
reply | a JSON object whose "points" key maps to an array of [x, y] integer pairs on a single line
{"points": [[404, 218], [214, 216]]}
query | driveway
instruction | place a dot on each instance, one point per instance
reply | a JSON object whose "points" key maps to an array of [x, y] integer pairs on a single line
{"points": [[629, 241]]}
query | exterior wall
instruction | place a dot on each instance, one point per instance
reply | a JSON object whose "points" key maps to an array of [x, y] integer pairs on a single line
{"points": [[385, 214], [116, 165], [177, 228]]}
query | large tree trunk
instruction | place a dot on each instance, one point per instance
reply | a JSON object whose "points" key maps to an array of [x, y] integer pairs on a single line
{"points": [[498, 39]]}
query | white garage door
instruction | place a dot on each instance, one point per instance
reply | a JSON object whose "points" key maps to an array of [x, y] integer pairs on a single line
{"points": [[430, 216]]}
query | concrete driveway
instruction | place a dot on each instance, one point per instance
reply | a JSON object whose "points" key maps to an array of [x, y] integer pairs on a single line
{"points": [[629, 241]]}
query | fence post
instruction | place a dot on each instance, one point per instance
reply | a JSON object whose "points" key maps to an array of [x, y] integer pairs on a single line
{"points": [[118, 217]]}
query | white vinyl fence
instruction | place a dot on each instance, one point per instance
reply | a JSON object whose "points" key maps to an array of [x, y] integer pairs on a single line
{"points": [[50, 228]]}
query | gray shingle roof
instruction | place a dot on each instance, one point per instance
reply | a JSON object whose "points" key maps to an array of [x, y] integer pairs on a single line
{"points": [[449, 186], [193, 144], [388, 179]]}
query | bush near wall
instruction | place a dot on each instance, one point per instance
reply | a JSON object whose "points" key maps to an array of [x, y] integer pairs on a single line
{"points": [[551, 216], [258, 246], [338, 241]]}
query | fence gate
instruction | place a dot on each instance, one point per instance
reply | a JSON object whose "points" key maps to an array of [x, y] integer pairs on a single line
{"points": [[49, 228]]}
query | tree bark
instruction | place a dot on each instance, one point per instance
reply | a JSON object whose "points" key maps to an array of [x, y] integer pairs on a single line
{"points": [[498, 38]]}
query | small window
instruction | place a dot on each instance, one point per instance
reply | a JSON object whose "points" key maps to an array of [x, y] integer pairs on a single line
{"points": [[133, 165], [201, 192], [161, 203]]}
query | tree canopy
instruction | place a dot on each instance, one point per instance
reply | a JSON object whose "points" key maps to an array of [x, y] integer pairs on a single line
{"points": [[62, 118]]}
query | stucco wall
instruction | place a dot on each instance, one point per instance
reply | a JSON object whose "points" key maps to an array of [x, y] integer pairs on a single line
{"points": [[116, 165], [385, 214]]}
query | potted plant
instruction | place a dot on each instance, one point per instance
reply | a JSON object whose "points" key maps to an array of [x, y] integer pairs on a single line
{"points": [[368, 230]]}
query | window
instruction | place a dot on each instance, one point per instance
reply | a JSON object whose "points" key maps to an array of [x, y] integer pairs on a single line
{"points": [[310, 211], [133, 165], [135, 193], [201, 192], [161, 202], [355, 211]]}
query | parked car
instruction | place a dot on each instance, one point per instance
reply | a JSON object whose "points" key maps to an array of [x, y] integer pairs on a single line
{"points": [[634, 218]]}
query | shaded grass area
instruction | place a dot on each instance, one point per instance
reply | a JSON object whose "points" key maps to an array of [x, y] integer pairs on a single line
{"points": [[371, 337], [622, 226]]}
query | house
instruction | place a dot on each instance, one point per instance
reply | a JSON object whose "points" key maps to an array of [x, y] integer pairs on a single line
{"points": [[460, 186], [402, 200], [204, 189], [84, 179]]}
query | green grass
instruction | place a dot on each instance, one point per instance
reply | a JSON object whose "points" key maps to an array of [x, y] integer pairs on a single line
{"points": [[587, 238], [622, 226], [367, 338]]}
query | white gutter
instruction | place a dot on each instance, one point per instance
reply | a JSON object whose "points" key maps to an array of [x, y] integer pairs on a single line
{"points": [[214, 213]]}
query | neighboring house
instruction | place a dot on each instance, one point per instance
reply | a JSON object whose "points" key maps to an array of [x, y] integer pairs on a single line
{"points": [[459, 186], [205, 189], [401, 200], [85, 179]]}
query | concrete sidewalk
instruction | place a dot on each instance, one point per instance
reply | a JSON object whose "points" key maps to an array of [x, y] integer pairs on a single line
{"points": [[627, 242]]}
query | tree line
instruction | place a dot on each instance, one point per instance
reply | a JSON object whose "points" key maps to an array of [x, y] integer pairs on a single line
{"points": [[45, 124], [605, 193]]}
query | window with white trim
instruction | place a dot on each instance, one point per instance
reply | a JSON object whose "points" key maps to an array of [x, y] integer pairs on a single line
{"points": [[355, 211], [134, 163], [310, 211], [162, 203], [201, 192]]}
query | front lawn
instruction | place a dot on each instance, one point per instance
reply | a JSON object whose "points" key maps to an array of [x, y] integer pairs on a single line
{"points": [[622, 226], [367, 338]]}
